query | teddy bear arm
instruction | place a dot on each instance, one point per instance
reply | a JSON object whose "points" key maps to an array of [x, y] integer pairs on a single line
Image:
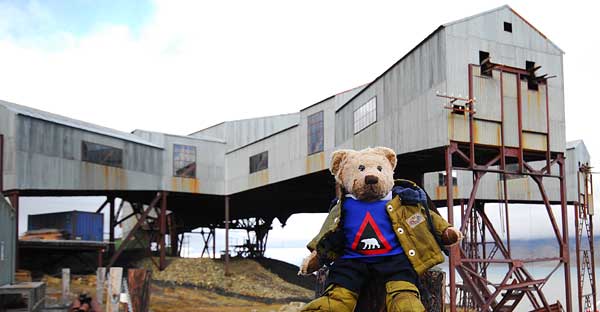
{"points": [[439, 224]]}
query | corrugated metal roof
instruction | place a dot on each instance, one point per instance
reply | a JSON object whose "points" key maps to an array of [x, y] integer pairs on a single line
{"points": [[244, 119], [203, 138], [74, 123]]}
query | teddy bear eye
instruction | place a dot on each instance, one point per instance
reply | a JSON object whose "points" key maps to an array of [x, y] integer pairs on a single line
{"points": [[379, 168], [361, 168]]}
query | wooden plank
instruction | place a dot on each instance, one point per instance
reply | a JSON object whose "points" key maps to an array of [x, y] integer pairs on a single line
{"points": [[100, 280], [114, 289], [66, 285], [139, 289]]}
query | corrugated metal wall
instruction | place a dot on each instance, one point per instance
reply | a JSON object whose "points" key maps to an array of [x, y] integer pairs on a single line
{"points": [[7, 242], [54, 161], [485, 32], [409, 116]]}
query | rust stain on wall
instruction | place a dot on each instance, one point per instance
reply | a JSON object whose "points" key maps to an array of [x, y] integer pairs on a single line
{"points": [[181, 184], [259, 178], [315, 162]]}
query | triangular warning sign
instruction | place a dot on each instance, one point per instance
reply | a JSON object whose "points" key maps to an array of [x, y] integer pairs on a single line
{"points": [[369, 240]]}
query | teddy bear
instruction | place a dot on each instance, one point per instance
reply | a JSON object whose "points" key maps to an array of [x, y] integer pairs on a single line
{"points": [[377, 226]]}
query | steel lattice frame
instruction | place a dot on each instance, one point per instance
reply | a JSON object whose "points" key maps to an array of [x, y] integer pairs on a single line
{"points": [[483, 245], [586, 268]]}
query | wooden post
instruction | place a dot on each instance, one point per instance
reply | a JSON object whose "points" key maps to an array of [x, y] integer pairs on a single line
{"points": [[66, 285], [114, 289], [139, 289], [100, 279]]}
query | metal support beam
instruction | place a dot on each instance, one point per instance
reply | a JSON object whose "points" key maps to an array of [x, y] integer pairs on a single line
{"points": [[454, 249], [111, 229], [163, 231], [565, 232], [214, 243], [14, 201], [226, 235], [131, 234], [173, 235]]}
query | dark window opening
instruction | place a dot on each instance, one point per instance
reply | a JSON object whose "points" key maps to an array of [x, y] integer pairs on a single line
{"points": [[508, 27], [101, 154], [442, 178], [458, 109], [532, 83], [485, 64], [184, 161], [315, 133], [259, 162], [513, 168]]}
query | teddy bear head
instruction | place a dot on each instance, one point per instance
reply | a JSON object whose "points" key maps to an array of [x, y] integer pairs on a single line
{"points": [[367, 174]]}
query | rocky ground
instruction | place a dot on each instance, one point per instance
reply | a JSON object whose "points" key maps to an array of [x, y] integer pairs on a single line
{"points": [[200, 285]]}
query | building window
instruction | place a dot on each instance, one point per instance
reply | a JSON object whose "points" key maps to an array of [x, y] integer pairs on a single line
{"points": [[184, 161], [508, 27], [485, 64], [315, 133], [259, 162], [532, 83], [442, 178], [101, 154], [365, 115]]}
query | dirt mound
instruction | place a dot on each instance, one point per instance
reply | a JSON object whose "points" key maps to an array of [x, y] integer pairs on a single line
{"points": [[248, 279], [288, 272]]}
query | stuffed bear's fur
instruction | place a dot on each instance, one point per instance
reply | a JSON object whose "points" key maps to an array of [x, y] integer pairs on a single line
{"points": [[367, 174]]}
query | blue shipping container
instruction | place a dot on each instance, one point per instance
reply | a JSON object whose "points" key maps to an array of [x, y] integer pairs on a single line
{"points": [[80, 225]]}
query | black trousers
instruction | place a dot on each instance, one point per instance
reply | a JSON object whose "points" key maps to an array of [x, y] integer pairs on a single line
{"points": [[353, 273]]}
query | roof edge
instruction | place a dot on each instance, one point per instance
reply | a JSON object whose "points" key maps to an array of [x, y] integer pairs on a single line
{"points": [[391, 67]]}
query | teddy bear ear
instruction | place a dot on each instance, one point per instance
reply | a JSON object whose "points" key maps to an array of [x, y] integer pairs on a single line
{"points": [[337, 158], [388, 153]]}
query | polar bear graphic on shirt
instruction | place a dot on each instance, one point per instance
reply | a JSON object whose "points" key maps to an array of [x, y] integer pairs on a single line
{"points": [[370, 243]]}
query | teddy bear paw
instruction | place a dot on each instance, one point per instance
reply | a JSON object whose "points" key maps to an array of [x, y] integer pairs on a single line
{"points": [[451, 236], [310, 264]]}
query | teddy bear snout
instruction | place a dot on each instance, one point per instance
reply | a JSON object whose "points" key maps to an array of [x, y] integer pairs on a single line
{"points": [[371, 179]]}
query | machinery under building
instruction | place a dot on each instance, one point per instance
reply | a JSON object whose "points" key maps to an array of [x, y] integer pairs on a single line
{"points": [[475, 112]]}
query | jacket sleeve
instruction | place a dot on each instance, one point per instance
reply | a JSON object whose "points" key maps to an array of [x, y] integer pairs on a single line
{"points": [[439, 224], [328, 226]]}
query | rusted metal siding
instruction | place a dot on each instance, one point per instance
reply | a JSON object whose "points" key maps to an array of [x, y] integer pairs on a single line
{"points": [[7, 129], [284, 161], [484, 32], [520, 188], [511, 123], [54, 160], [7, 242], [409, 115], [210, 163]]}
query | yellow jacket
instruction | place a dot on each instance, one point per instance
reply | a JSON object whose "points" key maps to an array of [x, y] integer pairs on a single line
{"points": [[409, 219]]}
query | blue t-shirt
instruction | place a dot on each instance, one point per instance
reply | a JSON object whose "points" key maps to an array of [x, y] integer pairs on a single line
{"points": [[368, 230]]}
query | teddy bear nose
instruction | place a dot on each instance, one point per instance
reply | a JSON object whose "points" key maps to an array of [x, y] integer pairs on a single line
{"points": [[371, 179]]}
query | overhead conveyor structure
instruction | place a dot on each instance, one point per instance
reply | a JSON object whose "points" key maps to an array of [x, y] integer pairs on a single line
{"points": [[475, 112]]}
